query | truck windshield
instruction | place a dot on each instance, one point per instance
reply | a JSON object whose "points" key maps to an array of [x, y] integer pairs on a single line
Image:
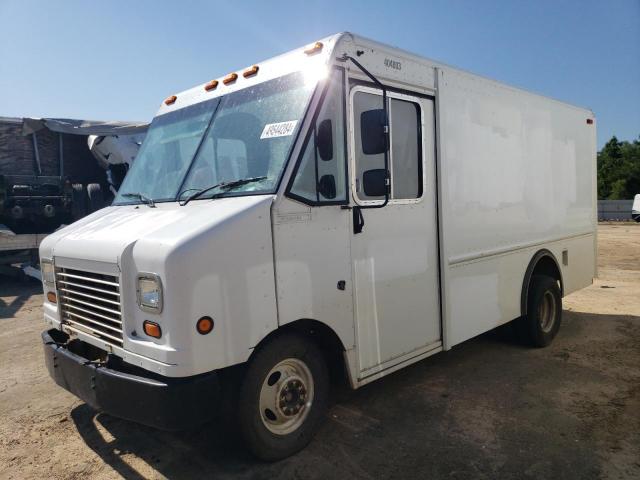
{"points": [[245, 134]]}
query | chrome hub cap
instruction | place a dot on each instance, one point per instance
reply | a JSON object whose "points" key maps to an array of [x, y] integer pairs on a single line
{"points": [[547, 312], [286, 396], [292, 397]]}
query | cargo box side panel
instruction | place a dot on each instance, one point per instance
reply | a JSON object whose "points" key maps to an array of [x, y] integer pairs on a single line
{"points": [[17, 154], [48, 151], [517, 175], [16, 150]]}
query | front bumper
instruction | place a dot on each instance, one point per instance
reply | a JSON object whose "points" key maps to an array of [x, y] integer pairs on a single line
{"points": [[119, 389]]}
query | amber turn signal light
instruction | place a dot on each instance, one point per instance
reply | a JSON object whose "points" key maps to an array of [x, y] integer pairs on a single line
{"points": [[204, 325], [250, 72], [152, 329], [211, 85], [232, 77], [315, 48], [51, 296], [170, 100]]}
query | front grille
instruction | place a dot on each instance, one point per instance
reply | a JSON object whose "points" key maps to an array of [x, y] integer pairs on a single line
{"points": [[90, 303]]}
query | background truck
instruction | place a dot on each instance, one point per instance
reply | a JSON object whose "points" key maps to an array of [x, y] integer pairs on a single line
{"points": [[345, 208], [50, 176]]}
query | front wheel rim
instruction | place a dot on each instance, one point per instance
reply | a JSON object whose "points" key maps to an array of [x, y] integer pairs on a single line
{"points": [[547, 311], [286, 396]]}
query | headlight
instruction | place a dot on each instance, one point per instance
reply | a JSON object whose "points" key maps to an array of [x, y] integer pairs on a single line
{"points": [[46, 268], [149, 292]]}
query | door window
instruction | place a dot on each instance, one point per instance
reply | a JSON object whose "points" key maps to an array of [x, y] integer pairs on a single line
{"points": [[406, 161], [363, 102], [405, 153]]}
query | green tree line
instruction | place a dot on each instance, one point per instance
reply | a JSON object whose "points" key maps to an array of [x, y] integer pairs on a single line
{"points": [[619, 170]]}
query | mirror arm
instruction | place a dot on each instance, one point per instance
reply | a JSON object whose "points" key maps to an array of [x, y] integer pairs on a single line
{"points": [[344, 58]]}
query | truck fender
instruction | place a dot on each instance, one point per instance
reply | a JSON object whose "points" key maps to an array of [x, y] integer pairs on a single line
{"points": [[543, 262]]}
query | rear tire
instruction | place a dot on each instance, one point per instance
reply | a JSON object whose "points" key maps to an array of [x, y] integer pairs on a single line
{"points": [[540, 325], [78, 202], [283, 397], [94, 195]]}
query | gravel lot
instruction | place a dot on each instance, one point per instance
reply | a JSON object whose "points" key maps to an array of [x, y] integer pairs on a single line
{"points": [[489, 408]]}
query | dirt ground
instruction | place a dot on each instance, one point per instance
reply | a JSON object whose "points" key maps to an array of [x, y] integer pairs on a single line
{"points": [[488, 408]]}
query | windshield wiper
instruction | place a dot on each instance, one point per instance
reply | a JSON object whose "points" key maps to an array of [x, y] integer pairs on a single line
{"points": [[143, 198], [226, 186]]}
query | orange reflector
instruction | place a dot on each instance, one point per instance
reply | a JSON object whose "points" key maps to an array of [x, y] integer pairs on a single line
{"points": [[204, 325], [315, 48], [51, 296], [152, 329], [170, 100], [250, 72], [232, 77], [589, 121], [211, 85]]}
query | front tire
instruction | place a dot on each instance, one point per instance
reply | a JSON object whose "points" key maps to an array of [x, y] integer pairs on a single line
{"points": [[540, 325], [283, 397]]}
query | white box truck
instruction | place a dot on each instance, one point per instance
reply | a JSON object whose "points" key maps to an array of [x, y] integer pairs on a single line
{"points": [[347, 203]]}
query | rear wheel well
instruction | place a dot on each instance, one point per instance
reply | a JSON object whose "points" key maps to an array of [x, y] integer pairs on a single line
{"points": [[542, 263], [324, 337]]}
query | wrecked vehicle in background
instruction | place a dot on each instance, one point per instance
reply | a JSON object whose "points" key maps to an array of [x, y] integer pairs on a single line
{"points": [[49, 175], [54, 172]]}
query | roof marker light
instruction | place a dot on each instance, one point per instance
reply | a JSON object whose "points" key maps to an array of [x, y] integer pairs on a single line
{"points": [[250, 72], [170, 100], [232, 77], [589, 121], [315, 48], [211, 85]]}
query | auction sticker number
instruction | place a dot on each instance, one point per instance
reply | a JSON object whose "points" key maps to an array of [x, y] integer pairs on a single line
{"points": [[282, 129]]}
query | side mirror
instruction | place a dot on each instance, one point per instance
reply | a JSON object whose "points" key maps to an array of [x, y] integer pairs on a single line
{"points": [[324, 140], [327, 186], [373, 131], [374, 182]]}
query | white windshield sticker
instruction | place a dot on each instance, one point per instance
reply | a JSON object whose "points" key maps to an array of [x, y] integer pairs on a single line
{"points": [[282, 129]]}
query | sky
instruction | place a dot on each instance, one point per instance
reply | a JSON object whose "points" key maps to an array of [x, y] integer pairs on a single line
{"points": [[117, 60]]}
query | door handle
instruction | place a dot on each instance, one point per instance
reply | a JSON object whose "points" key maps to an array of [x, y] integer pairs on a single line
{"points": [[358, 218]]}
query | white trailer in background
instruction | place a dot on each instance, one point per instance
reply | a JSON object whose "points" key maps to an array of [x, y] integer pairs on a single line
{"points": [[348, 204]]}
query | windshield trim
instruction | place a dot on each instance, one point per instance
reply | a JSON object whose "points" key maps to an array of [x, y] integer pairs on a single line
{"points": [[205, 198], [319, 86]]}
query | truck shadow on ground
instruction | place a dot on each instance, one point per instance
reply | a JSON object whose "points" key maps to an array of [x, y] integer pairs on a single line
{"points": [[21, 289], [174, 455], [479, 410]]}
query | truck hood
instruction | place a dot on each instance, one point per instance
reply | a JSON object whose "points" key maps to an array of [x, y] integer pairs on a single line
{"points": [[104, 235]]}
